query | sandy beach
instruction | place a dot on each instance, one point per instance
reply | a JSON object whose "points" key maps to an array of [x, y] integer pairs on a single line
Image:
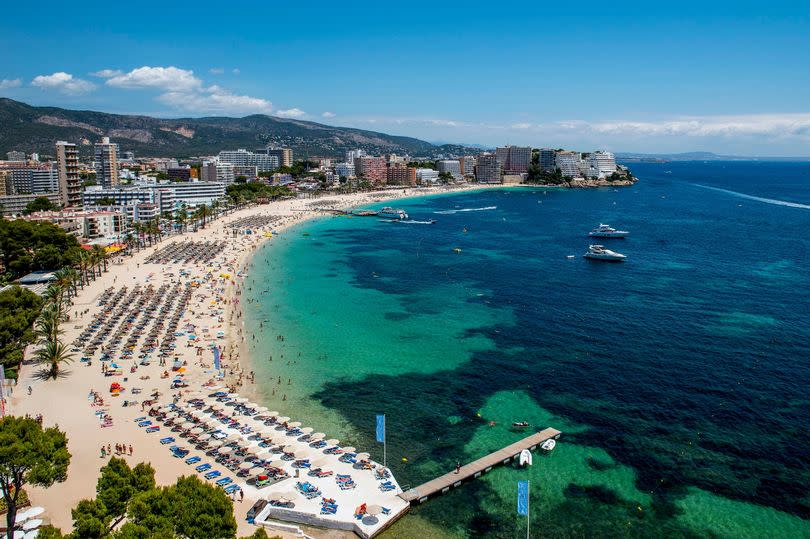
{"points": [[215, 313]]}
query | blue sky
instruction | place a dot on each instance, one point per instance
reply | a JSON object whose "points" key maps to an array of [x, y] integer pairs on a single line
{"points": [[724, 77]]}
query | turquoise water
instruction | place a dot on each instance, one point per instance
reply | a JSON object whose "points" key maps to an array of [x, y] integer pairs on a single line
{"points": [[678, 377]]}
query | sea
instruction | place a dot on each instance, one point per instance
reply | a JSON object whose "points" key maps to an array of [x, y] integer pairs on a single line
{"points": [[680, 378]]}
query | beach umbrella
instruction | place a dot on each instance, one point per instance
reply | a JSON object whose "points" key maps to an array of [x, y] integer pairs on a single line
{"points": [[203, 437], [187, 425], [289, 449], [224, 450], [332, 441], [265, 454], [283, 419], [301, 453], [261, 409], [289, 496], [317, 436], [307, 430], [33, 523], [294, 424], [254, 450], [258, 470], [213, 423], [272, 413], [196, 430], [242, 443], [198, 414], [363, 456], [373, 510], [214, 443], [349, 449], [245, 466], [171, 415], [321, 461], [232, 438], [240, 400], [275, 496]]}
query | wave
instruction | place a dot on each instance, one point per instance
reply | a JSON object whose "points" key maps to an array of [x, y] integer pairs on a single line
{"points": [[414, 222], [774, 201], [450, 212]]}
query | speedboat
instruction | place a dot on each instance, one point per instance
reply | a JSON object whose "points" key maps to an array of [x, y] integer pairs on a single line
{"points": [[606, 231], [598, 252], [548, 445], [520, 424]]}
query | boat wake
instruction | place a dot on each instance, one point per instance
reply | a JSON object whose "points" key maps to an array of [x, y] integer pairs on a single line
{"points": [[450, 212], [414, 222], [774, 201]]}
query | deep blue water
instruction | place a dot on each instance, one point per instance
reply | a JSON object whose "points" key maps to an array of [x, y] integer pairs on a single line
{"points": [[688, 364]]}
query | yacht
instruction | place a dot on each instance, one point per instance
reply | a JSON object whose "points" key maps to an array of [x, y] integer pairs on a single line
{"points": [[392, 213], [606, 231], [598, 252]]}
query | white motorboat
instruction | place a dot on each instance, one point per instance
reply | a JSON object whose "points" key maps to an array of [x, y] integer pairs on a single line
{"points": [[607, 231], [598, 252], [525, 458], [549, 444]]}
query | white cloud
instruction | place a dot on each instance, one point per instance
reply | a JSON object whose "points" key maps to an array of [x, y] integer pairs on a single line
{"points": [[216, 71], [218, 102], [63, 82], [770, 125], [291, 113], [328, 114], [170, 78], [521, 126], [107, 73], [235, 71], [10, 83]]}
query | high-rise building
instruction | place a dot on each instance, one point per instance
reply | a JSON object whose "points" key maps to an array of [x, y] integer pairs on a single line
{"points": [[568, 163], [345, 169], [351, 155], [263, 162], [15, 155], [401, 174], [467, 164], [106, 162], [216, 171], [70, 184], [45, 180], [488, 168], [453, 166], [371, 168], [600, 164], [514, 159], [547, 159], [284, 156], [179, 174]]}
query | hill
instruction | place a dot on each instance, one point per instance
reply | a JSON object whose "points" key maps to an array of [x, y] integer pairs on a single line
{"points": [[36, 129]]}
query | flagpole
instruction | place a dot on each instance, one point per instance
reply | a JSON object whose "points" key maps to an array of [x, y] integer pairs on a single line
{"points": [[385, 444], [528, 505]]}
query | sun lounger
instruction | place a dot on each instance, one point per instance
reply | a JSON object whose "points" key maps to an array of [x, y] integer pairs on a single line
{"points": [[193, 460], [230, 489], [139, 419], [203, 467], [212, 475], [144, 423], [150, 430], [167, 440], [224, 481]]}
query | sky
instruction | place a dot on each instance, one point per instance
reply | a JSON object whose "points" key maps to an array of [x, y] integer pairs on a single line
{"points": [[733, 78]]}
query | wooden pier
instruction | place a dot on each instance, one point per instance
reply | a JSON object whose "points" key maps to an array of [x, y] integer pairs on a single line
{"points": [[473, 470]]}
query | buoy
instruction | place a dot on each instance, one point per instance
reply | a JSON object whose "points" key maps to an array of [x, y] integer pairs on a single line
{"points": [[404, 459], [457, 250]]}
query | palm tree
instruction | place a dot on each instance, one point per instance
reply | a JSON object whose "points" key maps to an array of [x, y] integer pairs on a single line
{"points": [[101, 257], [182, 217], [46, 327], [203, 212], [64, 279], [53, 354]]}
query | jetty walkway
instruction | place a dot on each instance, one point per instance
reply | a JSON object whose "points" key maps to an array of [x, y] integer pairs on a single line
{"points": [[444, 483]]}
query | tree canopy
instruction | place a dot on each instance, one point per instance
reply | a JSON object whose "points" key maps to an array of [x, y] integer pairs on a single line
{"points": [[249, 192], [29, 455], [40, 204], [27, 245], [19, 307]]}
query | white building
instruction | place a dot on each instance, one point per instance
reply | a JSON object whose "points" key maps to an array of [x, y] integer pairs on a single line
{"points": [[568, 163], [45, 180], [345, 169], [600, 165], [427, 175], [195, 194], [106, 162], [453, 166], [216, 171], [351, 155], [243, 158]]}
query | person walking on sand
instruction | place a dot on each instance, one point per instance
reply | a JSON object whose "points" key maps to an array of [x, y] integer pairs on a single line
{"points": [[458, 467], [130, 450]]}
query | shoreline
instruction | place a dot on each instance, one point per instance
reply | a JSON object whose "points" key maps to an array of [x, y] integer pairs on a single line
{"points": [[214, 308]]}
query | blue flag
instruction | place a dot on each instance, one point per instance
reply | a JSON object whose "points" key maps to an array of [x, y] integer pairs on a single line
{"points": [[217, 365], [523, 498], [381, 428]]}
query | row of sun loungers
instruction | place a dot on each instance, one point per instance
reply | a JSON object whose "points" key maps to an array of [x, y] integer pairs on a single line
{"points": [[183, 252]]}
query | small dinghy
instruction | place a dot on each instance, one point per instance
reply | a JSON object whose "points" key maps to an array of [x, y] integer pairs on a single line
{"points": [[525, 458], [520, 424], [548, 445]]}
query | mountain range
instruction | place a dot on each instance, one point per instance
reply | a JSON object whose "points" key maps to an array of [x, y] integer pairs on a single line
{"points": [[36, 129]]}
